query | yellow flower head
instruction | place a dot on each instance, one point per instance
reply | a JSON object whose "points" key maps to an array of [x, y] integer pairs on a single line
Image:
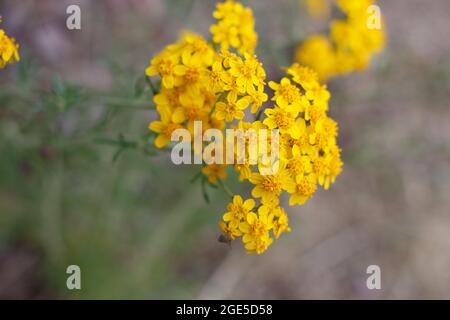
{"points": [[215, 172], [280, 222], [286, 93], [269, 187], [317, 52], [230, 233], [238, 210], [255, 230], [303, 76], [232, 108], [164, 128], [302, 190], [248, 73]]}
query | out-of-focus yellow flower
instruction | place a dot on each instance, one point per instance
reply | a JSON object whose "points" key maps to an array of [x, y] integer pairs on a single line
{"points": [[318, 53], [352, 7], [350, 45], [318, 9], [215, 172], [235, 27], [9, 49]]}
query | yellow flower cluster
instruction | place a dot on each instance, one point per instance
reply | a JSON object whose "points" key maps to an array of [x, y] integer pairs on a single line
{"points": [[235, 27], [309, 156], [9, 49], [217, 87], [200, 84], [349, 46]]}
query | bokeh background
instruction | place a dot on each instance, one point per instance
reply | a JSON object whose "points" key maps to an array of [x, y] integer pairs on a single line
{"points": [[79, 185]]}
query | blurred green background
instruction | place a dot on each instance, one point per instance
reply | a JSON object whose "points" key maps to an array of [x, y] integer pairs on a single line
{"points": [[80, 184]]}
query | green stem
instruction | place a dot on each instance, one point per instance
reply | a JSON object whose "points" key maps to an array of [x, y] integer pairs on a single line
{"points": [[225, 188], [152, 86], [258, 115]]}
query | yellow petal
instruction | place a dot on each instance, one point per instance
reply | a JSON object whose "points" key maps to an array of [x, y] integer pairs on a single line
{"points": [[244, 227], [239, 115], [243, 103], [249, 204], [257, 192], [157, 126], [151, 71], [255, 178], [161, 141], [168, 81], [228, 216], [237, 200], [273, 85], [251, 218], [180, 70], [178, 116]]}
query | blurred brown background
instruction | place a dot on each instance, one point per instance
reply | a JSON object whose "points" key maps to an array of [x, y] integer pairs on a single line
{"points": [[390, 206]]}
